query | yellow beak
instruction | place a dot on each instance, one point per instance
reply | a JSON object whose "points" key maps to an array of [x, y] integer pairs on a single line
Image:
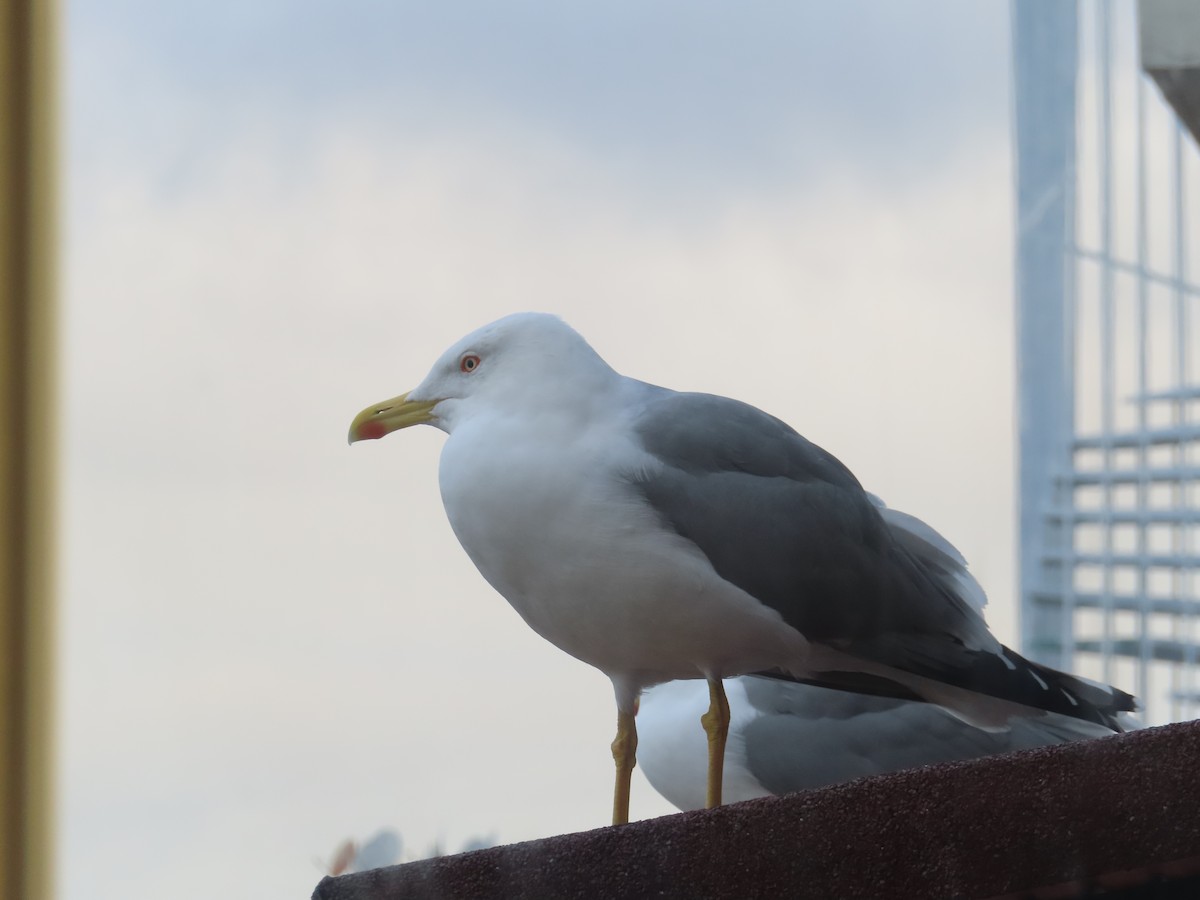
{"points": [[390, 415]]}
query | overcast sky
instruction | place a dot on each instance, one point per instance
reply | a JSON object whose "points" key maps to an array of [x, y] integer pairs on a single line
{"points": [[280, 212]]}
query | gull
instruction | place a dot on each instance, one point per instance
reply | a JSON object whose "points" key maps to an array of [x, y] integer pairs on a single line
{"points": [[786, 737], [658, 535]]}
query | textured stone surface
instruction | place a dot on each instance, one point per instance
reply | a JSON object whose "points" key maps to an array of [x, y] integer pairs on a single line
{"points": [[1115, 813]]}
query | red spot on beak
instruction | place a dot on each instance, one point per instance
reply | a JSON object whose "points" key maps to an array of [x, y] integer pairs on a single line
{"points": [[371, 431]]}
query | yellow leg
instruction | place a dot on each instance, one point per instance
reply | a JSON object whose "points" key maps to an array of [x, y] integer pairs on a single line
{"points": [[624, 751], [716, 726]]}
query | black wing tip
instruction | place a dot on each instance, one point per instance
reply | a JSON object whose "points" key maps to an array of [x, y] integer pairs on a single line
{"points": [[1072, 695], [1007, 676]]}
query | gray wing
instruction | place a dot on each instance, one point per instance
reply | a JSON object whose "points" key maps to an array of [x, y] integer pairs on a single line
{"points": [[941, 558], [808, 737], [786, 522]]}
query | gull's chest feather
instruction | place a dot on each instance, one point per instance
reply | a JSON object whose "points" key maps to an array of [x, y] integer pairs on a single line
{"points": [[532, 514]]}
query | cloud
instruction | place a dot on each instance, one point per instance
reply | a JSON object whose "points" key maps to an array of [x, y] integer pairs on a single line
{"points": [[272, 642], [685, 98]]}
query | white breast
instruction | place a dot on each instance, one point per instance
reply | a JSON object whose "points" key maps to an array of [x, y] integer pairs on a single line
{"points": [[586, 563]]}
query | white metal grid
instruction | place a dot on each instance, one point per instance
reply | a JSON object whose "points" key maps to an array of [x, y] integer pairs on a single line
{"points": [[1110, 445]]}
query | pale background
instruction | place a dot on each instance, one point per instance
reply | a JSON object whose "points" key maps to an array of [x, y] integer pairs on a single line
{"points": [[279, 212]]}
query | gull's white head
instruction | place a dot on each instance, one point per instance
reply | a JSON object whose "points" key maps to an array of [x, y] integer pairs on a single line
{"points": [[522, 361]]}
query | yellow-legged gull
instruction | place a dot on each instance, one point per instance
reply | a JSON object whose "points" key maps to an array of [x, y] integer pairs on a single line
{"points": [[660, 535]]}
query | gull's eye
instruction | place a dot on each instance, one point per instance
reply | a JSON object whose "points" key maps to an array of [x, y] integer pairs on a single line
{"points": [[468, 363]]}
